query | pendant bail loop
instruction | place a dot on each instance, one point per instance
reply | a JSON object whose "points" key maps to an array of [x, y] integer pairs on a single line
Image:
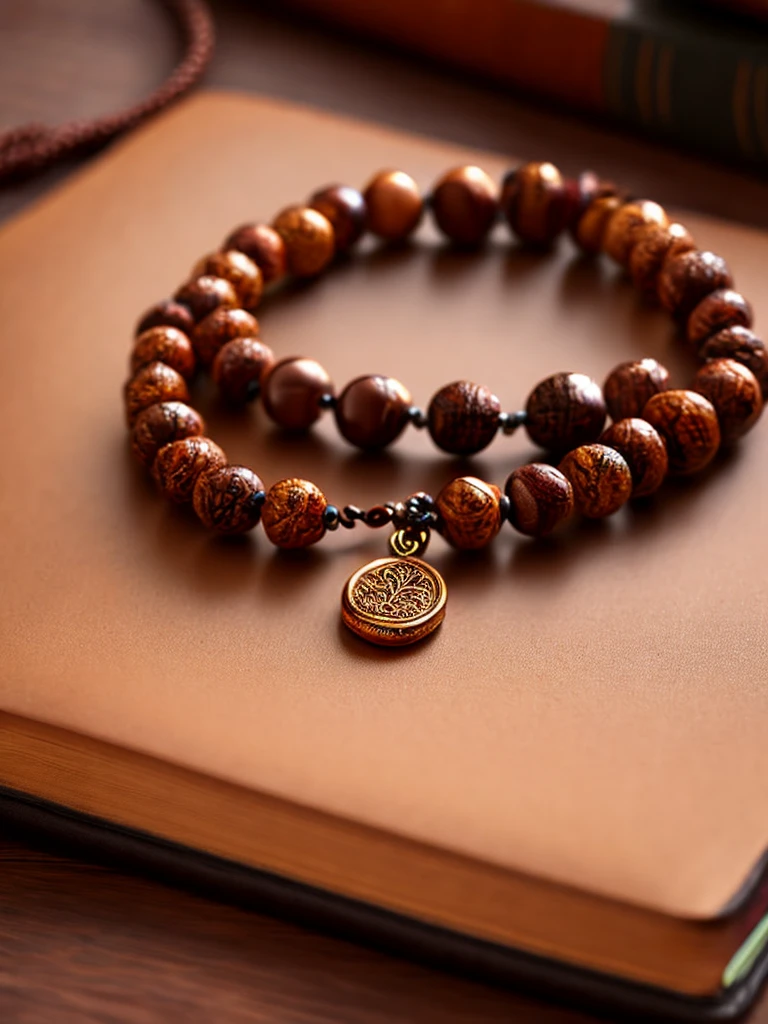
{"points": [[409, 541]]}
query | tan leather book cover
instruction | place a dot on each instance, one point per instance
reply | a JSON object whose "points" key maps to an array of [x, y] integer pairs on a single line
{"points": [[592, 712]]}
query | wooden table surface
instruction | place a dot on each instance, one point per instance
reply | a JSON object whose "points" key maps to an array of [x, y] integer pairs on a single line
{"points": [[82, 943]]}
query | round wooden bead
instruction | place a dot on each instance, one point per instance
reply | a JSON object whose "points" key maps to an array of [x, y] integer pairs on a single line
{"points": [[204, 294], [219, 327], [600, 478], [228, 499], [463, 417], [540, 498], [345, 208], [394, 205], [469, 511], [580, 192], [688, 424], [372, 411], [239, 367], [164, 345], [308, 237], [465, 204], [735, 393], [533, 201], [292, 390], [167, 313], [294, 513], [686, 278], [565, 410], [589, 230], [264, 246], [151, 384], [179, 465], [624, 226], [720, 309], [628, 387], [652, 246], [237, 268], [160, 424], [744, 346], [643, 450]]}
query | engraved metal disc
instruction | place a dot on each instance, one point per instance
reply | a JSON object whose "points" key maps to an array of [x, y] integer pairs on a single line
{"points": [[394, 601]]}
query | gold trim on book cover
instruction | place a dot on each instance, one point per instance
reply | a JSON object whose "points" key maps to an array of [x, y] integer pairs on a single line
{"points": [[432, 885]]}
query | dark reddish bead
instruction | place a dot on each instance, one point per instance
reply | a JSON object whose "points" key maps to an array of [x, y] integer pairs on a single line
{"points": [[735, 393], [687, 277], [644, 452], [204, 294], [720, 309], [653, 245], [372, 411], [160, 424], [164, 345], [168, 313], [237, 268], [628, 387], [292, 391], [625, 225], [469, 512], [264, 246], [179, 465], [219, 327], [688, 424], [465, 205], [345, 208], [228, 499], [294, 514], [308, 237], [394, 204], [744, 346], [463, 417], [580, 192], [540, 498], [589, 230], [151, 384], [533, 201], [239, 367], [600, 478], [565, 410]]}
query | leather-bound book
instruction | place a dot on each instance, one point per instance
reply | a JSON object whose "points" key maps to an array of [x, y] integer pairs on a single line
{"points": [[566, 786]]}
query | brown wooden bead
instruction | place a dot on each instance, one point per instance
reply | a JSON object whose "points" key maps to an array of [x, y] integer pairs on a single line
{"points": [[239, 367], [264, 246], [470, 512], [237, 268], [623, 228], [653, 245], [292, 390], [644, 452], [533, 201], [589, 230], [628, 387], [219, 327], [167, 313], [160, 424], [294, 513], [735, 393], [308, 237], [151, 384], [345, 208], [688, 424], [372, 411], [744, 346], [206, 293], [720, 309], [600, 479], [565, 410], [540, 498], [228, 499], [463, 417], [580, 192], [395, 206], [179, 465], [164, 345], [686, 278], [465, 205]]}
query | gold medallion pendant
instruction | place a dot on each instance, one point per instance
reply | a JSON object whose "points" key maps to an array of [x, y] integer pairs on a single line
{"points": [[394, 601]]}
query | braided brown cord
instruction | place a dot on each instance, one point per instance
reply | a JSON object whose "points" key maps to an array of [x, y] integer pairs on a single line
{"points": [[31, 148]]}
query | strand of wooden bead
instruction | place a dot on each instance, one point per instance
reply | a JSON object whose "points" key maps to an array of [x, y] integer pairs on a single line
{"points": [[209, 324]]}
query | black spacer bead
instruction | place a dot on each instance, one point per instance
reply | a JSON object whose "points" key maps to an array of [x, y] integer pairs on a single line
{"points": [[327, 401], [417, 417], [504, 507], [331, 517]]}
